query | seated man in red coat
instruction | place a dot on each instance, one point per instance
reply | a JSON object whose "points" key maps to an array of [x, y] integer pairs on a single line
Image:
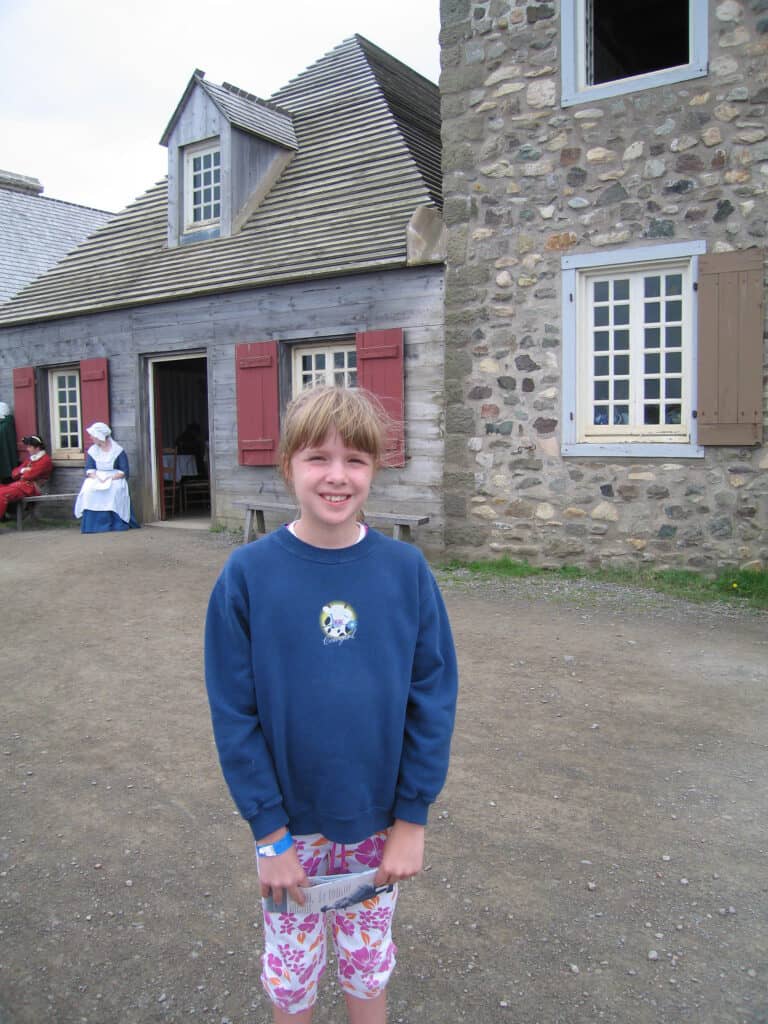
{"points": [[38, 465]]}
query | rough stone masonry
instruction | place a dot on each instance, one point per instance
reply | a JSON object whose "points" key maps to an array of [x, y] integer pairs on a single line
{"points": [[526, 181]]}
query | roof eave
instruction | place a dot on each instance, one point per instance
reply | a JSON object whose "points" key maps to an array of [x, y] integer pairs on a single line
{"points": [[372, 266]]}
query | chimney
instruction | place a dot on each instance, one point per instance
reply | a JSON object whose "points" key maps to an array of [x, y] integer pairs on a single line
{"points": [[20, 183]]}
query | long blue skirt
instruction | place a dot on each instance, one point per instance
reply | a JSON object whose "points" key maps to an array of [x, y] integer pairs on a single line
{"points": [[105, 522]]}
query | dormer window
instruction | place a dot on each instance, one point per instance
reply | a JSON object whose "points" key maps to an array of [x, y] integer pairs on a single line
{"points": [[226, 150], [202, 186]]}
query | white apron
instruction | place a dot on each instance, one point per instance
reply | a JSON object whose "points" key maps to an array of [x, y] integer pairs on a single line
{"points": [[102, 493]]}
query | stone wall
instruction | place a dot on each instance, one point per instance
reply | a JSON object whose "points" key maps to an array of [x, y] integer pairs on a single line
{"points": [[526, 181]]}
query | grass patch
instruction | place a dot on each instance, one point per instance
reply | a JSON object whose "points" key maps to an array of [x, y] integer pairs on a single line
{"points": [[740, 586]]}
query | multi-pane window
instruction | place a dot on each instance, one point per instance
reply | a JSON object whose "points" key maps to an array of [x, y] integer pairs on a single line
{"points": [[332, 366], [636, 359], [66, 432], [203, 186], [612, 47], [630, 371]]}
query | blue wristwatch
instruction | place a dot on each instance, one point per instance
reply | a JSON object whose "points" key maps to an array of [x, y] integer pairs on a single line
{"points": [[276, 848]]}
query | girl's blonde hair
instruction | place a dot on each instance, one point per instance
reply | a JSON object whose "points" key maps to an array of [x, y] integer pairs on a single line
{"points": [[356, 414]]}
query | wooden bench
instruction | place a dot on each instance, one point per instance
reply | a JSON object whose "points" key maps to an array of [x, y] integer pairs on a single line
{"points": [[401, 522], [37, 499]]}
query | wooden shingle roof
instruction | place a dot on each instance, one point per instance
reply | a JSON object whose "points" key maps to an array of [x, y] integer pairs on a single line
{"points": [[368, 154], [242, 109]]}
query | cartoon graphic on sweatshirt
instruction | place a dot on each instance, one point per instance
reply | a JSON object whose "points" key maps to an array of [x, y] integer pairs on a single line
{"points": [[338, 622]]}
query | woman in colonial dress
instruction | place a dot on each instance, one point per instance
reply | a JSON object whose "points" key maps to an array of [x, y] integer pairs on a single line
{"points": [[104, 502], [9, 459]]}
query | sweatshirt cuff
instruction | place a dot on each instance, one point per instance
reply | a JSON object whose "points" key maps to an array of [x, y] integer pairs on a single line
{"points": [[415, 811], [267, 821]]}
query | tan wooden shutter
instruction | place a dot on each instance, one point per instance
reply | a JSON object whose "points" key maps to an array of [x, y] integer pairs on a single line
{"points": [[730, 348]]}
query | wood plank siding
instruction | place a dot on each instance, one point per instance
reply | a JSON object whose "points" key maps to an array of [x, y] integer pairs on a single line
{"points": [[410, 299]]}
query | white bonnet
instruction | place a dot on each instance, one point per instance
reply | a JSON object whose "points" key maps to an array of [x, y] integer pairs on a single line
{"points": [[99, 430]]}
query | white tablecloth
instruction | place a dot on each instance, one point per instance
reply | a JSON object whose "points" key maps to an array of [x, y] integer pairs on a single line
{"points": [[186, 465]]}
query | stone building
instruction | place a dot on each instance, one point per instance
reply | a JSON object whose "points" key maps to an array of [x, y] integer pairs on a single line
{"points": [[605, 170]]}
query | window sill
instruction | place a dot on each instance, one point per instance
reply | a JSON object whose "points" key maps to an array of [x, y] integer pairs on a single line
{"points": [[200, 234], [637, 83], [634, 450], [68, 460]]}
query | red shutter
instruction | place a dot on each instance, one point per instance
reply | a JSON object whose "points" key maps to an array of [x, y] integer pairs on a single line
{"points": [[24, 403], [94, 395], [258, 403], [380, 370]]}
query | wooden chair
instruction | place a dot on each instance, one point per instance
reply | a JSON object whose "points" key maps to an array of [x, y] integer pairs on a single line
{"points": [[196, 492], [168, 456]]}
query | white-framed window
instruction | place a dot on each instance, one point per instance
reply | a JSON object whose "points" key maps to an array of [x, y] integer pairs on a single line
{"points": [[65, 414], [316, 365], [629, 352], [611, 47], [202, 185]]}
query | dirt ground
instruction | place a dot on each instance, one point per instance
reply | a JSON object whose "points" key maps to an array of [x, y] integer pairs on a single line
{"points": [[599, 853]]}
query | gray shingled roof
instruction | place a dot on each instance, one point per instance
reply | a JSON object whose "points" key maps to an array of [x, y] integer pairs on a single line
{"points": [[36, 232], [242, 109], [252, 114], [368, 135]]}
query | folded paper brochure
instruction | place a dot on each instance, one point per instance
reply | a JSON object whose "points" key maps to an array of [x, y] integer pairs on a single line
{"points": [[330, 892]]}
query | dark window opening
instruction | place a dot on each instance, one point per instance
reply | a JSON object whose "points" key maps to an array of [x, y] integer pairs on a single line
{"points": [[635, 37]]}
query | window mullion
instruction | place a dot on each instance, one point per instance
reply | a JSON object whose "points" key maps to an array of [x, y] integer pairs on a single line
{"points": [[636, 375]]}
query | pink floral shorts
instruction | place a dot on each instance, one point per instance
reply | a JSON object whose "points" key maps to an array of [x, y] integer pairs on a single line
{"points": [[295, 946]]}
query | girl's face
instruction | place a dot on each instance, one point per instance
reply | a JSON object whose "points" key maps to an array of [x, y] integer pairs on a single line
{"points": [[331, 483]]}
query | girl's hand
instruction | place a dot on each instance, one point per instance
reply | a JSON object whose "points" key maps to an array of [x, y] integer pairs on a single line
{"points": [[403, 853], [282, 872]]}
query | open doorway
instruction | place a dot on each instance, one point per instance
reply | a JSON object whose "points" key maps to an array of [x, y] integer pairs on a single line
{"points": [[179, 438]]}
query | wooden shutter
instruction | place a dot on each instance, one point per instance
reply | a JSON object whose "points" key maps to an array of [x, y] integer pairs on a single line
{"points": [[380, 369], [94, 395], [258, 403], [730, 348], [24, 404]]}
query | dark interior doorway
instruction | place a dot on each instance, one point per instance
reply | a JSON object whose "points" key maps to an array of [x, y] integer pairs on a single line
{"points": [[181, 436]]}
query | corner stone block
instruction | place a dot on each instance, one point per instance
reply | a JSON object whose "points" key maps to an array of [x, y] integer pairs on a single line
{"points": [[453, 10], [459, 420], [455, 505], [459, 483], [466, 537], [458, 364]]}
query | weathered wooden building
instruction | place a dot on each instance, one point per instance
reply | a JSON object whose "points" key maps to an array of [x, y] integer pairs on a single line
{"points": [[294, 240], [605, 177]]}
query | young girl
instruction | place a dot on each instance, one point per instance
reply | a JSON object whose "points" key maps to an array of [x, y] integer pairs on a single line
{"points": [[332, 681]]}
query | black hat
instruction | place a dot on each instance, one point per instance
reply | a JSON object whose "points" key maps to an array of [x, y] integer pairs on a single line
{"points": [[34, 440]]}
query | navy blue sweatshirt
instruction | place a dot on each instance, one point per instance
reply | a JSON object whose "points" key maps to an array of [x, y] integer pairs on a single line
{"points": [[332, 680]]}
